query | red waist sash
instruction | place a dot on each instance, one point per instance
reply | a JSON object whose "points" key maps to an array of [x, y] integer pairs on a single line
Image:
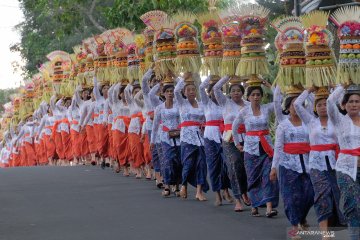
{"points": [[216, 123], [241, 129], [126, 119], [352, 152], [190, 124], [264, 143], [326, 147], [297, 148]]}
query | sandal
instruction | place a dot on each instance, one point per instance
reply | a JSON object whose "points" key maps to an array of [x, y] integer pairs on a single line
{"points": [[166, 192], [247, 203], [271, 214], [255, 212], [238, 209], [159, 185]]}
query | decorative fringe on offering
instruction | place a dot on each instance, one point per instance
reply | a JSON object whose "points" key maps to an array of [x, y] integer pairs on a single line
{"points": [[100, 75], [188, 64], [247, 67], [163, 67], [348, 73], [80, 78], [46, 97], [211, 66], [119, 73], [133, 73], [89, 78], [320, 76], [228, 66], [108, 74], [290, 76]]}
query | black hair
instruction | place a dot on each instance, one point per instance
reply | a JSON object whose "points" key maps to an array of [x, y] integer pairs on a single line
{"points": [[252, 88], [287, 105], [101, 88], [238, 85], [347, 97], [165, 87], [316, 102], [122, 89], [135, 87], [210, 87], [345, 100]]}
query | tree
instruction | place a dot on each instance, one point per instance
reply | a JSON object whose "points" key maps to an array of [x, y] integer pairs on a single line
{"points": [[5, 96]]}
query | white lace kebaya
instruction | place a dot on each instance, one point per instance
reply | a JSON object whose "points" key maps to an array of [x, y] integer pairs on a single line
{"points": [[189, 134], [165, 118], [213, 112], [120, 110], [135, 109], [347, 132], [318, 135], [286, 132], [229, 107], [253, 123]]}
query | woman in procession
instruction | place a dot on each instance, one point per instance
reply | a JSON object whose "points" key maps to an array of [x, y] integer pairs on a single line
{"points": [[258, 151], [347, 165], [322, 158], [191, 138], [234, 159], [291, 162], [166, 123], [212, 141], [134, 133]]}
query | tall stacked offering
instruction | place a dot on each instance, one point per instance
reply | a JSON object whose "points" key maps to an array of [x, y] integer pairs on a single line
{"points": [[187, 48], [347, 20], [90, 47], [120, 70], [60, 63], [253, 60], [100, 60], [164, 38], [27, 108], [140, 42], [231, 38], [45, 70], [149, 46], [212, 40], [320, 61], [292, 54], [132, 59]]}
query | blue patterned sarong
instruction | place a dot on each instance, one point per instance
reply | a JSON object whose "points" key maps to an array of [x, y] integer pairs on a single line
{"points": [[216, 165], [298, 194], [171, 164], [194, 165], [234, 160], [350, 201], [260, 189]]}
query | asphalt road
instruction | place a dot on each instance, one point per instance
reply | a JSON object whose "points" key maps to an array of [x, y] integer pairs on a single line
{"points": [[85, 202]]}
